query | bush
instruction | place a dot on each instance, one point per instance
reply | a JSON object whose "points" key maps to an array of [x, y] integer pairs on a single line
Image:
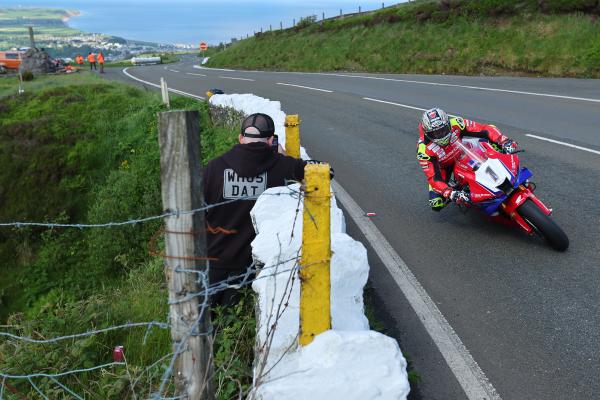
{"points": [[561, 6], [27, 76], [305, 22]]}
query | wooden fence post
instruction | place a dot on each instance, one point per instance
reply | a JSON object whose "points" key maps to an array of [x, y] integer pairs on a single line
{"points": [[292, 135], [164, 91], [181, 179], [315, 304]]}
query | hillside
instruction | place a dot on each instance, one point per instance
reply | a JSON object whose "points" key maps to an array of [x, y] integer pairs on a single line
{"points": [[514, 37], [76, 149]]}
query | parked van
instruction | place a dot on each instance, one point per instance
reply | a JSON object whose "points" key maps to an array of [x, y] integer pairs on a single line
{"points": [[10, 59]]}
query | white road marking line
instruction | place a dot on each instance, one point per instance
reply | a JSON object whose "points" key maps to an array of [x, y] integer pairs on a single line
{"points": [[563, 143], [527, 134], [238, 79], [158, 86], [213, 69], [306, 87], [401, 105], [466, 370], [173, 70], [470, 87], [192, 73], [394, 104], [557, 96]]}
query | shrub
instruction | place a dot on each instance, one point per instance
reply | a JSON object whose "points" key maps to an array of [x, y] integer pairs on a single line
{"points": [[561, 6], [27, 76], [305, 22]]}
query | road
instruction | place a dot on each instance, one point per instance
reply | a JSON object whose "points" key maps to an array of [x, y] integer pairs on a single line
{"points": [[528, 315]]}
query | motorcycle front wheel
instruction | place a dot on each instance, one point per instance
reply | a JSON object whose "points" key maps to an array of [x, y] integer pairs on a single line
{"points": [[544, 225]]}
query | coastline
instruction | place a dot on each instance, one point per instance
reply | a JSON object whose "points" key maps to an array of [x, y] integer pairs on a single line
{"points": [[70, 14]]}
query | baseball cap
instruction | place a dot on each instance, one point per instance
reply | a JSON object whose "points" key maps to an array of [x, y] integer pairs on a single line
{"points": [[258, 126]]}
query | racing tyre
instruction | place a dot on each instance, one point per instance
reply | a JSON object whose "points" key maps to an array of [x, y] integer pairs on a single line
{"points": [[544, 225]]}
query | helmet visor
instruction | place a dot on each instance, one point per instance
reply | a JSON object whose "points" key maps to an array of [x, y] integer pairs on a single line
{"points": [[439, 133]]}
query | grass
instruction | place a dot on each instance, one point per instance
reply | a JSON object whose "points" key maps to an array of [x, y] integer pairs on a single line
{"points": [[512, 37], [166, 58], [9, 84], [7, 14], [77, 149]]}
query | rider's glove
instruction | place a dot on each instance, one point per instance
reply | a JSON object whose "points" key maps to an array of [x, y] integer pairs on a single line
{"points": [[509, 146], [459, 197]]}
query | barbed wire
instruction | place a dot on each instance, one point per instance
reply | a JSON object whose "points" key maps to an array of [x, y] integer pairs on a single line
{"points": [[148, 325], [60, 374], [168, 214], [205, 291], [208, 290]]}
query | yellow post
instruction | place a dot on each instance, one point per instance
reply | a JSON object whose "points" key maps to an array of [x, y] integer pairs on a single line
{"points": [[292, 135], [315, 315]]}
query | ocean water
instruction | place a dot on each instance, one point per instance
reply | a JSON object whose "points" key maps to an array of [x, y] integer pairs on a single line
{"points": [[188, 21]]}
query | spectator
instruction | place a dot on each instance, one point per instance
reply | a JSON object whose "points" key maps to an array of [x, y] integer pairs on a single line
{"points": [[92, 60], [101, 62], [243, 173]]}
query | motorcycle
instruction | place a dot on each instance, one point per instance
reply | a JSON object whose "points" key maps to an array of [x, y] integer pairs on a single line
{"points": [[496, 185]]}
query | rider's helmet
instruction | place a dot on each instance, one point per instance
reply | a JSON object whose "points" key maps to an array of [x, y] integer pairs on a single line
{"points": [[436, 126]]}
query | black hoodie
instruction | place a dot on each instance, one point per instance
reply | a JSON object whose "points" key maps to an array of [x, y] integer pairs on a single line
{"points": [[243, 173]]}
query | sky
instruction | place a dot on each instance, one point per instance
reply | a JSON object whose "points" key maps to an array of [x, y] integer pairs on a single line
{"points": [[192, 21]]}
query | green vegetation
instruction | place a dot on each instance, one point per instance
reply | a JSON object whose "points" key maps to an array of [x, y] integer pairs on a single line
{"points": [[523, 37], [77, 149], [166, 58], [9, 84], [34, 15], [49, 26]]}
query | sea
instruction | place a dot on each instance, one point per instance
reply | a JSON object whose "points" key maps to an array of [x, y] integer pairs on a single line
{"points": [[192, 21]]}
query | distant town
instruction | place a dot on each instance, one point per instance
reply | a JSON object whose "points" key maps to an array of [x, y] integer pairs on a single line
{"points": [[61, 41]]}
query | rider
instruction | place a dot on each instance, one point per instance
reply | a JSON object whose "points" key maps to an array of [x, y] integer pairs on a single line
{"points": [[437, 151]]}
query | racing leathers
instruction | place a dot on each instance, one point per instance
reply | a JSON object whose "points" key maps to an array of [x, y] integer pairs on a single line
{"points": [[437, 161]]}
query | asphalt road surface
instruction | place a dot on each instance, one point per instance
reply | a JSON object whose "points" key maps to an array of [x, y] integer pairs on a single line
{"points": [[528, 315]]}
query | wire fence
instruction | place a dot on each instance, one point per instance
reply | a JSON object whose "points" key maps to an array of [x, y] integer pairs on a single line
{"points": [[206, 290], [322, 16]]}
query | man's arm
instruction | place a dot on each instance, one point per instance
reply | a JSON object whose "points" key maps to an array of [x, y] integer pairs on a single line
{"points": [[298, 169]]}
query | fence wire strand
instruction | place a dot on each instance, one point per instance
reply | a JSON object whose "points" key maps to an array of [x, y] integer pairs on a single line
{"points": [[206, 290]]}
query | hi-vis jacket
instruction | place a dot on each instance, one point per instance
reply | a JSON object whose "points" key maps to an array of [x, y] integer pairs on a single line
{"points": [[241, 175], [436, 160]]}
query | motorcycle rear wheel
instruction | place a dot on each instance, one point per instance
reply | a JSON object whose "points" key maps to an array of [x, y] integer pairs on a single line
{"points": [[544, 225]]}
